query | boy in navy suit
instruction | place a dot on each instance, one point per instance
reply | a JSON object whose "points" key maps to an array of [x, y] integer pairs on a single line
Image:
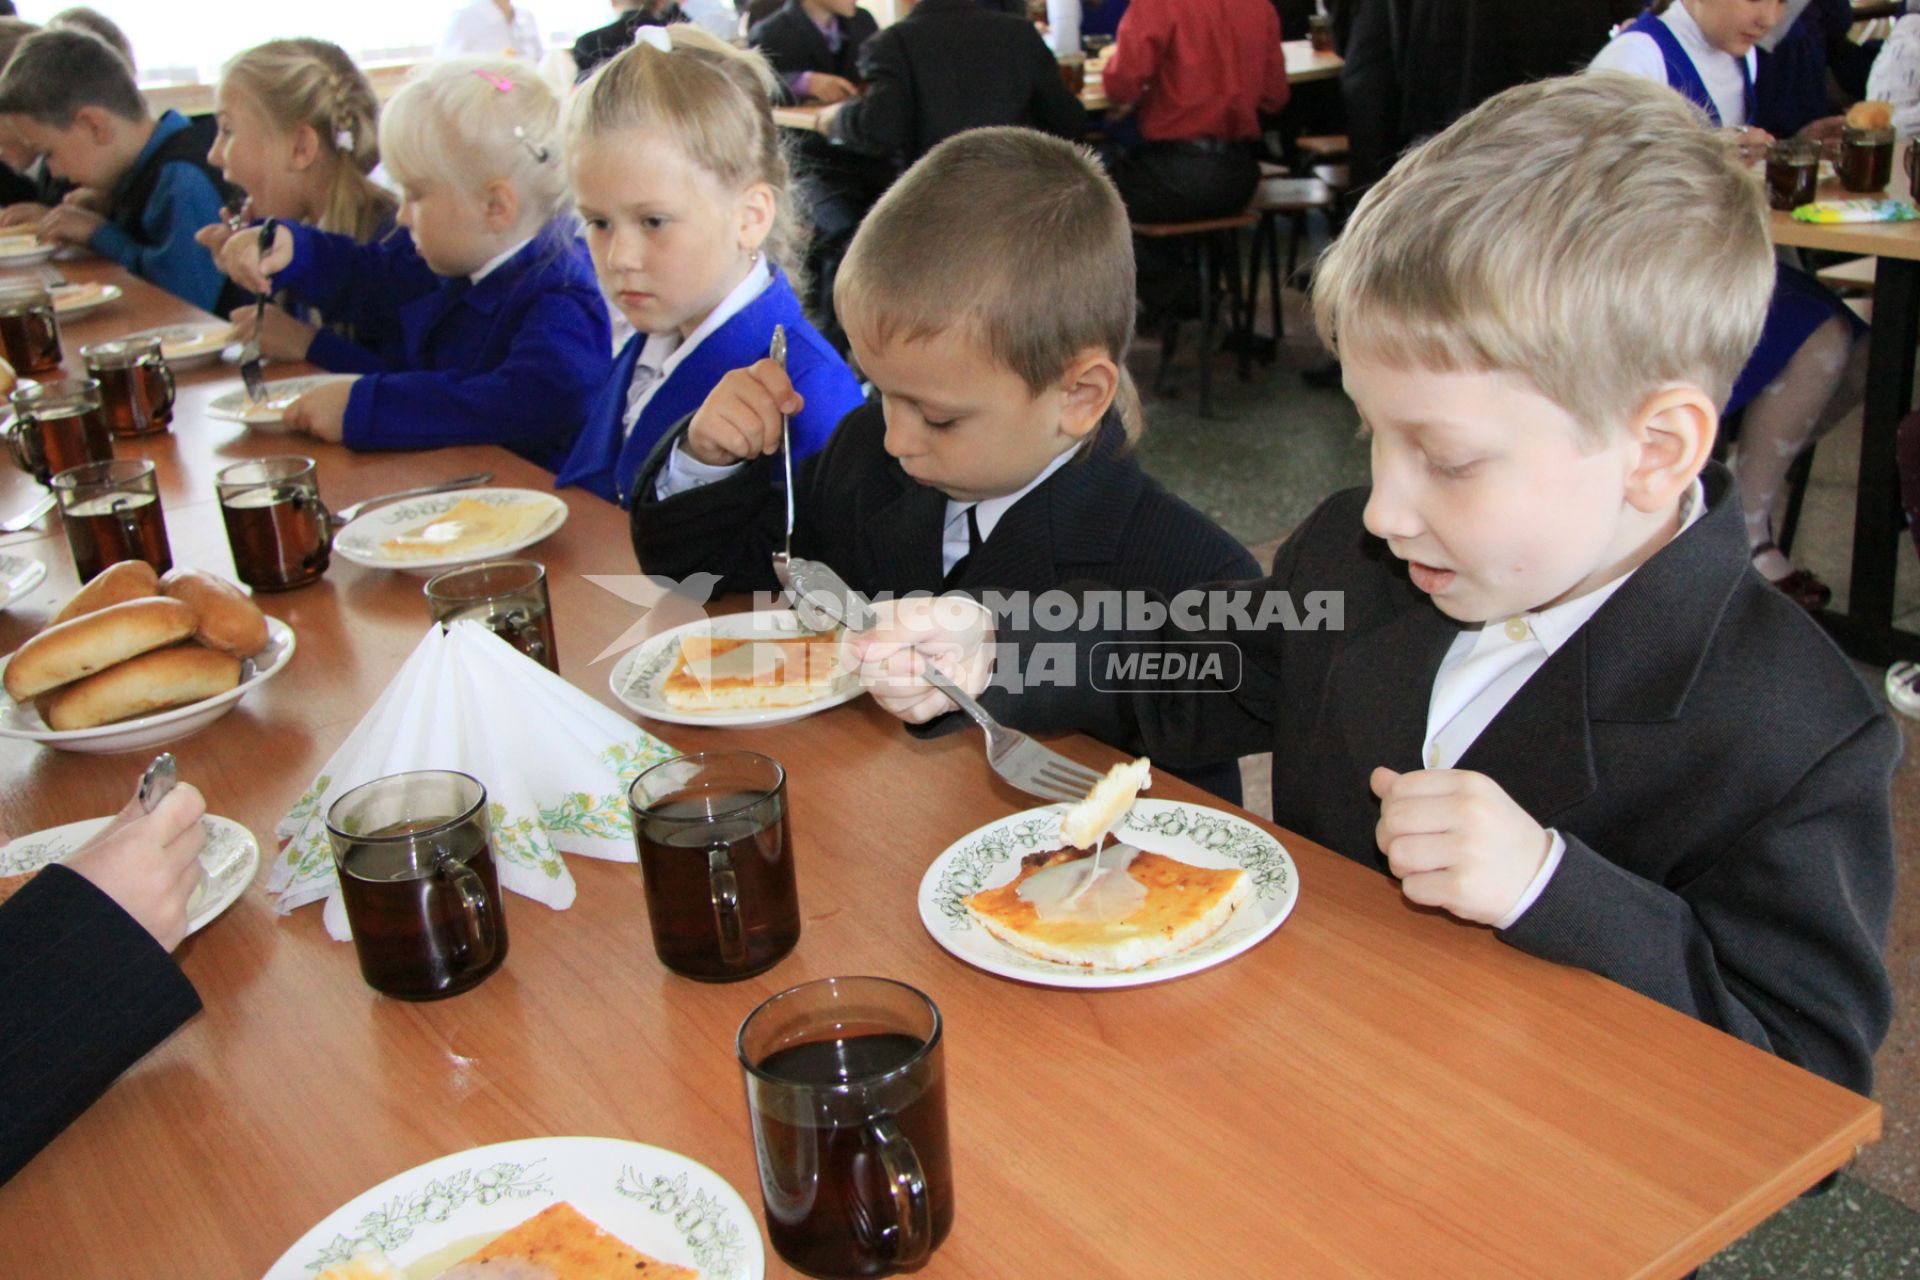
{"points": [[1560, 701], [70, 97], [998, 456]]}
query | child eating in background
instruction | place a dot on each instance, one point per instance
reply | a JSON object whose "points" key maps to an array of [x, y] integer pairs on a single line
{"points": [[999, 457], [298, 133], [68, 96], [1561, 702], [680, 179], [503, 336]]}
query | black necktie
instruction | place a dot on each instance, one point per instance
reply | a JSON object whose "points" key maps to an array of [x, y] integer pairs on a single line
{"points": [[973, 546]]}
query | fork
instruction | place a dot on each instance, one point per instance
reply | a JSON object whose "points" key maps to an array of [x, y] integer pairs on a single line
{"points": [[1023, 762], [250, 350]]}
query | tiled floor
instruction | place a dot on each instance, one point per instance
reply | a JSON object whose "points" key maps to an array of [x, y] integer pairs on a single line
{"points": [[1277, 446]]}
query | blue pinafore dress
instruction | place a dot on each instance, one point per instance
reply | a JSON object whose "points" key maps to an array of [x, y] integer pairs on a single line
{"points": [[1800, 304]]}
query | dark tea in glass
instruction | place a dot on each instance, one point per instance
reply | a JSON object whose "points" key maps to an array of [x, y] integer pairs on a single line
{"points": [[57, 426], [29, 332], [136, 386], [1866, 159], [507, 597], [418, 882], [716, 861], [1793, 175], [112, 512], [277, 527], [846, 1092]]}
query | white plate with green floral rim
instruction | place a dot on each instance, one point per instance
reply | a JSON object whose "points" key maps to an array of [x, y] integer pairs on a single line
{"points": [[1203, 837], [188, 346], [19, 575], [269, 414], [364, 541], [637, 677], [656, 1200], [22, 719], [230, 859], [71, 300]]}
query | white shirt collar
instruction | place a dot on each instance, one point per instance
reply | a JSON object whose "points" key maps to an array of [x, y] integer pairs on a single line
{"points": [[1695, 41], [664, 351], [991, 509], [494, 263]]}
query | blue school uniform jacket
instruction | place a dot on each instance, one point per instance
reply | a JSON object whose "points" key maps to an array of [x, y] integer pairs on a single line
{"points": [[603, 462], [166, 195], [514, 360]]}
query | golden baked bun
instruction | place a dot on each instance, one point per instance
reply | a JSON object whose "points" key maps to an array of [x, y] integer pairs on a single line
{"points": [[229, 621], [143, 685], [1870, 115], [116, 584], [95, 641]]}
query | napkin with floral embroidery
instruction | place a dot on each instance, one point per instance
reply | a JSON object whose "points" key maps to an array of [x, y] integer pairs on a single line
{"points": [[556, 765]]}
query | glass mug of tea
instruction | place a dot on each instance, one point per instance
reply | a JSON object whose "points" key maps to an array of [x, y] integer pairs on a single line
{"points": [[1865, 162], [111, 511], [29, 331], [278, 529], [507, 597], [136, 386], [847, 1096], [1911, 162], [716, 860], [1793, 173], [418, 882], [57, 425]]}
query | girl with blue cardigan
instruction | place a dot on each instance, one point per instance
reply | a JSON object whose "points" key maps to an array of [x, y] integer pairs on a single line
{"points": [[680, 180], [503, 334]]}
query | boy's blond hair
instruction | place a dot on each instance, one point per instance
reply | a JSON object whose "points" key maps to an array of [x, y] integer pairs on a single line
{"points": [[1017, 238], [314, 83], [1591, 233], [716, 102], [466, 122]]}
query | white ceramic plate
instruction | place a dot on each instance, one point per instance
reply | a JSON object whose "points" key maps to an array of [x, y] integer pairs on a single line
{"points": [[1204, 837], [19, 575], [232, 406], [637, 677], [659, 1202], [71, 300], [230, 859], [188, 346], [22, 720], [362, 541], [24, 250]]}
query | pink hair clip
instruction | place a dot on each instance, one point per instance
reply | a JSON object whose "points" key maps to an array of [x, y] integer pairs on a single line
{"points": [[499, 82]]}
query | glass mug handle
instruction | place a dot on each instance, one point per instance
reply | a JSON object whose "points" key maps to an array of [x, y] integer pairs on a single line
{"points": [[18, 444], [166, 377], [122, 506], [302, 499], [526, 632], [723, 888], [912, 1231], [482, 931]]}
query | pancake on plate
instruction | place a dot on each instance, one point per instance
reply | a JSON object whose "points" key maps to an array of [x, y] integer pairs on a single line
{"points": [[467, 526], [722, 673], [563, 1243]]}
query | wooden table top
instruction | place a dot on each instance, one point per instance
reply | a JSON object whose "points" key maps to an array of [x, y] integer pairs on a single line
{"points": [[1373, 1084], [1877, 239]]}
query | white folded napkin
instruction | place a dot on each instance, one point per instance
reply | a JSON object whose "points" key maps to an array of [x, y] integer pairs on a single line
{"points": [[556, 765]]}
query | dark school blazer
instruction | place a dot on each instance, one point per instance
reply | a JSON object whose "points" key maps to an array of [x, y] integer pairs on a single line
{"points": [[1718, 770]]}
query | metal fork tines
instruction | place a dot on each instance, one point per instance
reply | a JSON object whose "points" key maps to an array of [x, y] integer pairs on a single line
{"points": [[250, 350], [1035, 769]]}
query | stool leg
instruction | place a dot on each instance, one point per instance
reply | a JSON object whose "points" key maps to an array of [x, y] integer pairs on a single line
{"points": [[1240, 291], [1206, 328], [1273, 280], [1298, 226], [1253, 259]]}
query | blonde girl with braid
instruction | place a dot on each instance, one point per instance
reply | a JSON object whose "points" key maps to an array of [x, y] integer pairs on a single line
{"points": [[679, 177], [299, 134]]}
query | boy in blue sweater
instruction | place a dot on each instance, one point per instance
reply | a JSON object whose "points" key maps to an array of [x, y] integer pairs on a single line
{"points": [[69, 97]]}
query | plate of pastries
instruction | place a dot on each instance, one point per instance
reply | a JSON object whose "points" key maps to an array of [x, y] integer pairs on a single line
{"points": [[71, 300], [135, 659], [741, 669]]}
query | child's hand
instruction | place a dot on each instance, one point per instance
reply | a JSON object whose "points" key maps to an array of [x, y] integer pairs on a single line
{"points": [[281, 336], [822, 87], [69, 223], [1457, 841], [243, 263], [741, 416], [954, 632], [150, 862], [322, 412], [1750, 142], [24, 214], [1825, 131]]}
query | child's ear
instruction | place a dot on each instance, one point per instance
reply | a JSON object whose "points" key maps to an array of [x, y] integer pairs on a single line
{"points": [[306, 148], [1672, 433], [1090, 383], [97, 122], [500, 205], [756, 210]]}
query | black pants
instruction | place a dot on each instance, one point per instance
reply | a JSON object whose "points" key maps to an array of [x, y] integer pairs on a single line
{"points": [[1169, 182]]}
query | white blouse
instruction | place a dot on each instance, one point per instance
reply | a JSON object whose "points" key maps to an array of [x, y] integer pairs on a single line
{"points": [[1638, 54], [1895, 77]]}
